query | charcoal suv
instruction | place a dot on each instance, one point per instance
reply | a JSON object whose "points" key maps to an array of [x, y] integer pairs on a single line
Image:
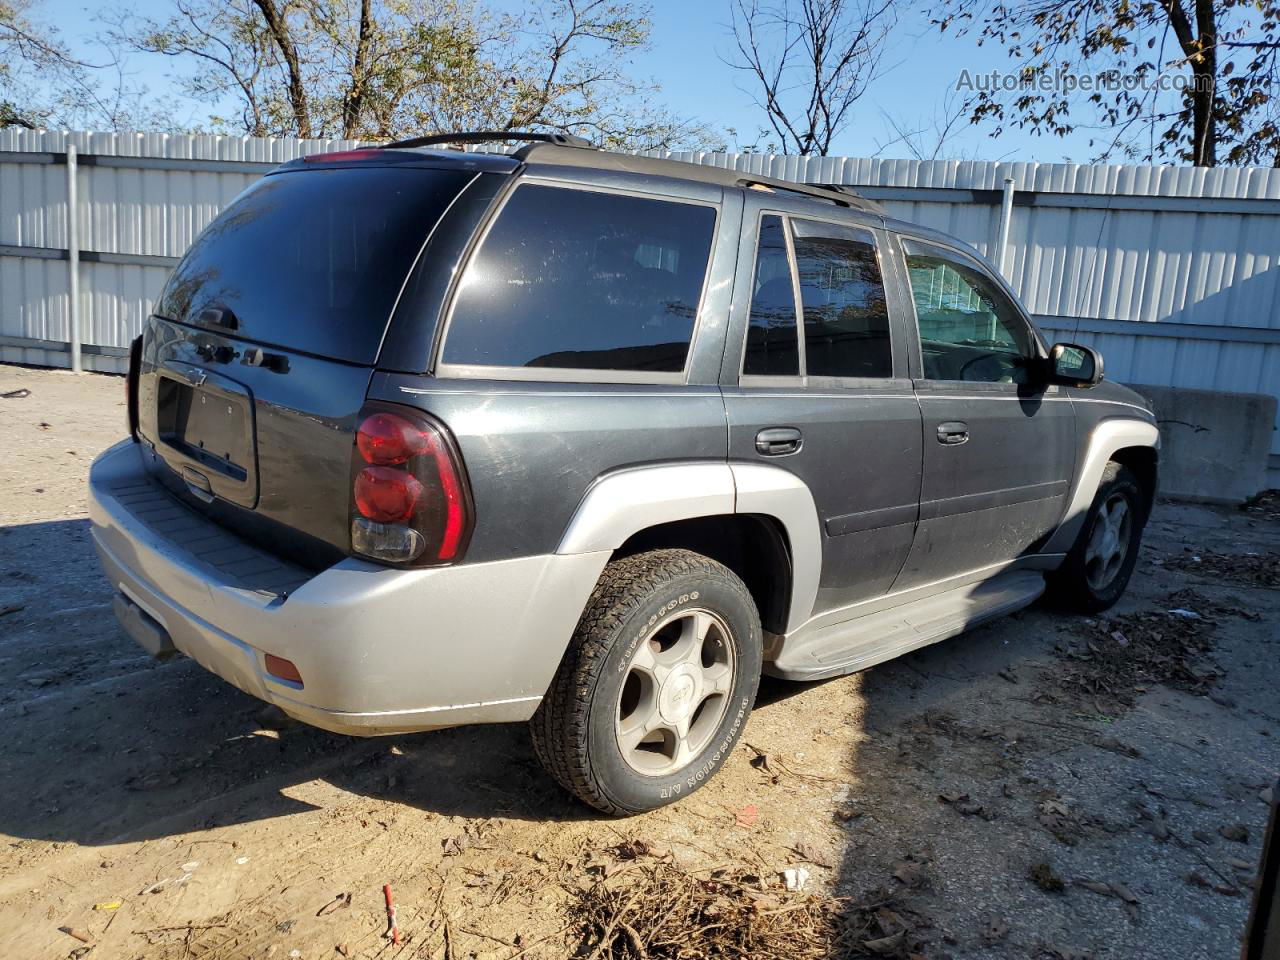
{"points": [[424, 437]]}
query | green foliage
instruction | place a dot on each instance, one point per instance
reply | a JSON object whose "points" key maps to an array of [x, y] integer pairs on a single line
{"points": [[380, 69], [43, 85], [1225, 50]]}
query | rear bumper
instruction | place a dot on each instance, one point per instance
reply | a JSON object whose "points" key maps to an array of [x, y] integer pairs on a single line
{"points": [[379, 650]]}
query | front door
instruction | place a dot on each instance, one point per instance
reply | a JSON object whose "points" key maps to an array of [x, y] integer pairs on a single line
{"points": [[999, 446], [816, 383]]}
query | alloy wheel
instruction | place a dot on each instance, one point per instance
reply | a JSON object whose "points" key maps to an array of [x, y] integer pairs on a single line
{"points": [[1109, 540], [676, 692]]}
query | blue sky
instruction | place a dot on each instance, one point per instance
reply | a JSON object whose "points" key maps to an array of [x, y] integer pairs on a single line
{"points": [[689, 40]]}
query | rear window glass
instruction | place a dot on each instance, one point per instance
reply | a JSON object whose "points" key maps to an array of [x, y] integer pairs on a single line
{"points": [[583, 280], [312, 260]]}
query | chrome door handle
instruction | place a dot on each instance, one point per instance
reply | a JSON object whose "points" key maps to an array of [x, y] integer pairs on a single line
{"points": [[953, 433], [778, 441]]}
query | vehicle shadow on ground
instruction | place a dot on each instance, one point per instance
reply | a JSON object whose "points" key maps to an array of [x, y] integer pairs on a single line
{"points": [[160, 749], [950, 837], [106, 745], [911, 867], [96, 772]]}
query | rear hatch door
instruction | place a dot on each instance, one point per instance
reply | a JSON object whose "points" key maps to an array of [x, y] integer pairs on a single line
{"points": [[257, 359]]}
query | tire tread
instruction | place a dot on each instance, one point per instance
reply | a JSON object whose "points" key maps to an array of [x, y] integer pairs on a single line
{"points": [[1068, 586], [559, 727]]}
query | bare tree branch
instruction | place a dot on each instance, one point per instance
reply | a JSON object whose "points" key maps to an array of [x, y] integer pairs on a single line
{"points": [[810, 62], [283, 37], [43, 84], [376, 69], [928, 139]]}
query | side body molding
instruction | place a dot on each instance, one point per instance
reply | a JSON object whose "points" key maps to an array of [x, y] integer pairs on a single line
{"points": [[624, 503], [620, 504], [777, 493], [1108, 437]]}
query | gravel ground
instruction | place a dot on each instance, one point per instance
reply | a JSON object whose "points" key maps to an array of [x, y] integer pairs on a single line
{"points": [[1045, 786]]}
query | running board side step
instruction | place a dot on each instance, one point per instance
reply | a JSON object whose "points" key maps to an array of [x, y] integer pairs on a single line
{"points": [[861, 642]]}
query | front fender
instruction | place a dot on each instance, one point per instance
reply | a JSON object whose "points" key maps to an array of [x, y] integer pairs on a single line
{"points": [[1108, 437]]}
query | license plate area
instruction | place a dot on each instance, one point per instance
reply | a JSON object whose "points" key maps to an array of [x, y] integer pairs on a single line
{"points": [[204, 423]]}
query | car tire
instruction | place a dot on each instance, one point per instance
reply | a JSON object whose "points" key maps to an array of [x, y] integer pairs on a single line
{"points": [[1093, 577], [669, 640]]}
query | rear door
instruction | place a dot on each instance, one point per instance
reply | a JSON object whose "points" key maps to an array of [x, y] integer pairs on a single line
{"points": [[816, 383], [258, 356], [998, 445]]}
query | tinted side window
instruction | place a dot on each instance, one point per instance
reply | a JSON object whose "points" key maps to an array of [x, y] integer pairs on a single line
{"points": [[969, 329], [586, 280], [846, 317], [771, 334]]}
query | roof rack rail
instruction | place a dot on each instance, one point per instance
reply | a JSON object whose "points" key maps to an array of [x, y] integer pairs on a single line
{"points": [[489, 136], [837, 187], [835, 192]]}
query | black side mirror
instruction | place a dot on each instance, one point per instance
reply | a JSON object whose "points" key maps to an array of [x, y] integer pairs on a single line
{"points": [[1074, 365]]}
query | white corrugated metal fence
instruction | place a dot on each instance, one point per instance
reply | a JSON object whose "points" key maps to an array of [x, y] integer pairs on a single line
{"points": [[1173, 272], [142, 200]]}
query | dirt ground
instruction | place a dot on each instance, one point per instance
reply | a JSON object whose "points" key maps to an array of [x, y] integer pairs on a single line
{"points": [[1043, 787]]}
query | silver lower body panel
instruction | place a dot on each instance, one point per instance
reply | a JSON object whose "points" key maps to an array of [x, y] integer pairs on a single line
{"points": [[380, 650]]}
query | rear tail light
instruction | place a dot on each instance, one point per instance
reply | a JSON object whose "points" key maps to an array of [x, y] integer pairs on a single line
{"points": [[131, 385], [386, 494], [410, 501], [389, 439]]}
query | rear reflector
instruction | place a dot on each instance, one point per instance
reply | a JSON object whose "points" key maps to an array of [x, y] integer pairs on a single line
{"points": [[455, 519], [283, 669]]}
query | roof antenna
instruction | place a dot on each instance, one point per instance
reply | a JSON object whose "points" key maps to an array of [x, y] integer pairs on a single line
{"points": [[1086, 289]]}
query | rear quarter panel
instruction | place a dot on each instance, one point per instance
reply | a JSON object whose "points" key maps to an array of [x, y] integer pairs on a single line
{"points": [[533, 447], [532, 450]]}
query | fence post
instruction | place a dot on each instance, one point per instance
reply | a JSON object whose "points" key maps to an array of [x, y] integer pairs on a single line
{"points": [[73, 258], [1006, 215]]}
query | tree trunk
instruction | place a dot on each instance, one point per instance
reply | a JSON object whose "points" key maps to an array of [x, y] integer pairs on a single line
{"points": [[1199, 44], [297, 92], [1204, 134], [354, 100], [1206, 154]]}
